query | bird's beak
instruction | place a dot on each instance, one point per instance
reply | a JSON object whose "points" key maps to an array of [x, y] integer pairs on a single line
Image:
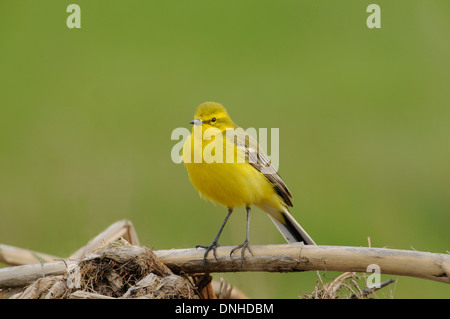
{"points": [[196, 122]]}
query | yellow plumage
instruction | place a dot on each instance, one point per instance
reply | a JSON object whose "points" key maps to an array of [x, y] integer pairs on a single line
{"points": [[230, 184], [231, 170]]}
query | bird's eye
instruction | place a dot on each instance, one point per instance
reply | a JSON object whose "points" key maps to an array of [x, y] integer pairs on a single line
{"points": [[213, 119]]}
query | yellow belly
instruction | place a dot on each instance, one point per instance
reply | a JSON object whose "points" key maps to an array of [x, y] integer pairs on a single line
{"points": [[230, 184]]}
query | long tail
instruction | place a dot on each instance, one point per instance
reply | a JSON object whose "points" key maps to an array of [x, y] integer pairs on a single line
{"points": [[291, 230]]}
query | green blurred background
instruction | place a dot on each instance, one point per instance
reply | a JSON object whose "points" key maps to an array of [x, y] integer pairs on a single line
{"points": [[86, 117]]}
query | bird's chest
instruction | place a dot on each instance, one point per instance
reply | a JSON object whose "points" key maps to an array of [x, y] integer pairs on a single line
{"points": [[230, 184], [217, 169]]}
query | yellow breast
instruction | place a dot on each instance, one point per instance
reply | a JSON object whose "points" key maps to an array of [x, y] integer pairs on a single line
{"points": [[230, 181]]}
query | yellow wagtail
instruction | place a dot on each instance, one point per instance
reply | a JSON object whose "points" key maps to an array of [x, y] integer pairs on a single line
{"points": [[243, 178]]}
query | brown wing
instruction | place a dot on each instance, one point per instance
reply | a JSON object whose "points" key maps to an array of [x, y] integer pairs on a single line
{"points": [[255, 156]]}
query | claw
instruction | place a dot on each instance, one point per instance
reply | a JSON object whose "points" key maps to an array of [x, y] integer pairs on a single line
{"points": [[243, 246], [215, 243], [212, 247]]}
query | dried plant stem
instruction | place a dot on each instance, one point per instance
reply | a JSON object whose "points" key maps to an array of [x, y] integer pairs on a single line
{"points": [[269, 258], [18, 256], [274, 258], [298, 257]]}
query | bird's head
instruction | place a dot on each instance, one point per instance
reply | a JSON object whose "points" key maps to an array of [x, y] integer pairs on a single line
{"points": [[212, 115]]}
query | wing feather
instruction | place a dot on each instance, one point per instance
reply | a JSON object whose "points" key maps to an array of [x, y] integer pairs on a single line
{"points": [[256, 157]]}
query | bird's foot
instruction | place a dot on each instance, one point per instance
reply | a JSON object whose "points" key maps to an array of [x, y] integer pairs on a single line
{"points": [[212, 247], [243, 246]]}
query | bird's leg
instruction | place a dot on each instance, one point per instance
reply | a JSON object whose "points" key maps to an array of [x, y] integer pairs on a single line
{"points": [[215, 243], [246, 243]]}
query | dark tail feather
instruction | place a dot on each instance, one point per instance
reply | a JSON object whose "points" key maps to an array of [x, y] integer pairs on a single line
{"points": [[291, 229]]}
